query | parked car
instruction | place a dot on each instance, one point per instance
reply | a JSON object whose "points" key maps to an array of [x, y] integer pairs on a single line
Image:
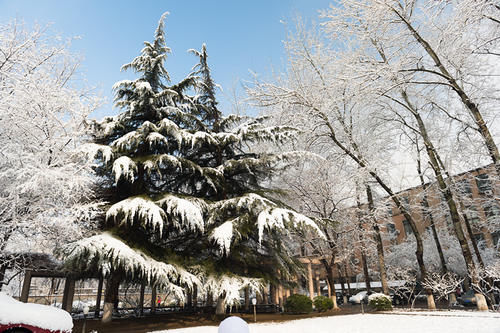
{"points": [[20, 317], [362, 296], [468, 298]]}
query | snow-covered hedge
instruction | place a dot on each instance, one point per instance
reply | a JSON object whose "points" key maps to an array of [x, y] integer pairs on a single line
{"points": [[380, 302], [43, 316]]}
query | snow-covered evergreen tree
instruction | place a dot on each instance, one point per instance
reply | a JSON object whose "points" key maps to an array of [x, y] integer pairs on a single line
{"points": [[187, 201]]}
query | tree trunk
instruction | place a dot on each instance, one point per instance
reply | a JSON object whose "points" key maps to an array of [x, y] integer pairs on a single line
{"points": [[195, 296], [381, 260], [452, 298], [471, 237], [3, 268], [265, 299], [210, 299], [110, 296], [366, 272], [310, 282], [342, 281], [364, 262], [99, 296], [482, 305], [444, 268], [427, 212], [247, 299], [153, 299], [220, 309], [444, 188], [272, 292], [380, 244], [329, 275], [141, 298], [357, 157], [347, 278], [189, 298]]}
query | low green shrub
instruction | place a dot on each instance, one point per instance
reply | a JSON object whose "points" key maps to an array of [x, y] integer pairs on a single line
{"points": [[298, 304], [323, 303], [380, 302]]}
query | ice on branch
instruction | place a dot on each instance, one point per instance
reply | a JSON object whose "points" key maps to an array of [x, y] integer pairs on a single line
{"points": [[230, 286], [248, 203], [172, 163], [155, 139], [108, 125], [165, 161], [202, 137], [222, 235], [184, 137], [184, 213], [279, 218], [124, 167], [93, 150], [127, 142], [106, 252], [246, 164], [138, 209], [143, 85], [121, 84], [170, 128]]}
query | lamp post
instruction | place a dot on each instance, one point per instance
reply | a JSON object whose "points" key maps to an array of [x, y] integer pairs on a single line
{"points": [[254, 303], [85, 313]]}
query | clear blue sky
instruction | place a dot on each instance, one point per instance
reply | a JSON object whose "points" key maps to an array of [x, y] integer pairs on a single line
{"points": [[240, 35]]}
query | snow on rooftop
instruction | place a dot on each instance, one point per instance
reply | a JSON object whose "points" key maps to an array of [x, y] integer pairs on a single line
{"points": [[375, 323], [43, 316]]}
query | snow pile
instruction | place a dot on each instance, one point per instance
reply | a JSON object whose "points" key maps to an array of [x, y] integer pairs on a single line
{"points": [[370, 323], [43, 316]]}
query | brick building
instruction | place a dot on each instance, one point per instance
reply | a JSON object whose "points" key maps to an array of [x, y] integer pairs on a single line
{"points": [[478, 191]]}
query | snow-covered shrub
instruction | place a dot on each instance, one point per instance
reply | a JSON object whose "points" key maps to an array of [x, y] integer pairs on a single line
{"points": [[298, 304], [380, 302], [323, 303]]}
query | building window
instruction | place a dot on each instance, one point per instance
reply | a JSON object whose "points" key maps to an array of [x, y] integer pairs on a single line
{"points": [[484, 184], [465, 188], [405, 202], [491, 210], [391, 228], [408, 229], [479, 240], [472, 215], [389, 211], [496, 238]]}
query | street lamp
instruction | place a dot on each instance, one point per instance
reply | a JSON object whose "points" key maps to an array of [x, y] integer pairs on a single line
{"points": [[254, 303], [85, 313]]}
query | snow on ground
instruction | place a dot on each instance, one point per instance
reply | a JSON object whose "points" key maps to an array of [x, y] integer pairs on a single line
{"points": [[43, 316], [415, 322]]}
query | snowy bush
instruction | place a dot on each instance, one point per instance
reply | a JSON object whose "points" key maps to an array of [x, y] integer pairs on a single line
{"points": [[380, 302], [46, 182], [298, 304], [323, 303]]}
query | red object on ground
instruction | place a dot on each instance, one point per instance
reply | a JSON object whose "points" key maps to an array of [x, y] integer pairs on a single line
{"points": [[32, 329]]}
